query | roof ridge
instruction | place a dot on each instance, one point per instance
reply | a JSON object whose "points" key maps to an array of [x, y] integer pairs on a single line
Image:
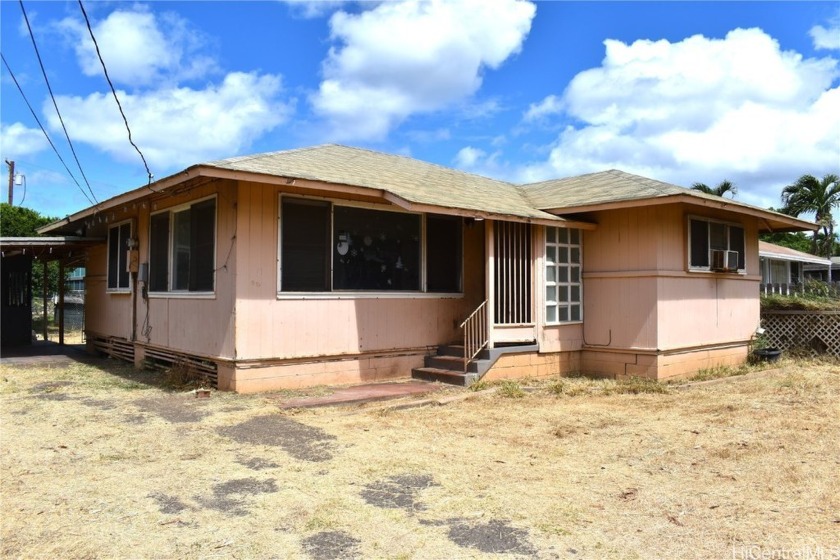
{"points": [[252, 157]]}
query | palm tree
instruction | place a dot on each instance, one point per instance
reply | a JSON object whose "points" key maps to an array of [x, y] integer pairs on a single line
{"points": [[809, 194], [720, 190]]}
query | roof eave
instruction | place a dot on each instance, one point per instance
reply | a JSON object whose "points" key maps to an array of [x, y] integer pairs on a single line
{"points": [[793, 258], [548, 220], [127, 197]]}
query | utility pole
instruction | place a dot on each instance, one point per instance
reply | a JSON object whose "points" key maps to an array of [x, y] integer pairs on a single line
{"points": [[11, 165]]}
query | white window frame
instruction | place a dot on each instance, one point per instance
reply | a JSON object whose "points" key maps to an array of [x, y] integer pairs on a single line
{"points": [[172, 210], [728, 224], [333, 293], [568, 266], [120, 260]]}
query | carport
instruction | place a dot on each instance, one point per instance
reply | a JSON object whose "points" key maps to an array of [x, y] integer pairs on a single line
{"points": [[19, 257]]}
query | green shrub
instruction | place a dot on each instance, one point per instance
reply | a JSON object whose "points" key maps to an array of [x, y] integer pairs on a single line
{"points": [[511, 389]]}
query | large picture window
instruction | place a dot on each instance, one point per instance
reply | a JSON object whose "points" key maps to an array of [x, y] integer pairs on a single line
{"points": [[182, 248], [563, 288], [332, 247], [118, 277], [706, 237], [375, 250]]}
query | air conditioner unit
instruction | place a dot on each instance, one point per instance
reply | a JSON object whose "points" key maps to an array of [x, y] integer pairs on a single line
{"points": [[724, 261]]}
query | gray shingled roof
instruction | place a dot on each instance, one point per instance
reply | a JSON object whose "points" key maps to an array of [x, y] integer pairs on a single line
{"points": [[614, 186], [603, 187], [412, 180]]}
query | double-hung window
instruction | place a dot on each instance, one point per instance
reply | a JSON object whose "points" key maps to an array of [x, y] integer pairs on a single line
{"points": [[715, 245], [563, 287], [182, 248], [118, 277], [331, 247]]}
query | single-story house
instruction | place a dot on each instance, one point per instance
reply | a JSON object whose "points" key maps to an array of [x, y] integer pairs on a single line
{"points": [[820, 272], [334, 264], [785, 266]]}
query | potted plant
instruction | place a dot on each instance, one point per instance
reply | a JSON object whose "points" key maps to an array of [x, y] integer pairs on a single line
{"points": [[762, 351]]}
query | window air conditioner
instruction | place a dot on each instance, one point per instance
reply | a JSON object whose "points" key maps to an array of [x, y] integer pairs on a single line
{"points": [[724, 261]]}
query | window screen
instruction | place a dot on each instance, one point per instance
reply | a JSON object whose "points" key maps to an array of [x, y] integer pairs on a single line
{"points": [[305, 245]]}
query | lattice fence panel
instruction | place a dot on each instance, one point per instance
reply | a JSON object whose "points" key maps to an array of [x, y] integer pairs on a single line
{"points": [[818, 332]]}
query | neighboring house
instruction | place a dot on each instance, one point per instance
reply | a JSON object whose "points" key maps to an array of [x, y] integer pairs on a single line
{"points": [[336, 265], [820, 272], [75, 281], [784, 266]]}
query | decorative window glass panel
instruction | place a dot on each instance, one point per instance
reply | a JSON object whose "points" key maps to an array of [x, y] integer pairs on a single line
{"points": [[563, 302]]}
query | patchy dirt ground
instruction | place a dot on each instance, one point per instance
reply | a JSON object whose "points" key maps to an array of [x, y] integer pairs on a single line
{"points": [[100, 461]]}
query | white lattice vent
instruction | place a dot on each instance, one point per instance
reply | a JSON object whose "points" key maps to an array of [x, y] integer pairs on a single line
{"points": [[817, 331]]}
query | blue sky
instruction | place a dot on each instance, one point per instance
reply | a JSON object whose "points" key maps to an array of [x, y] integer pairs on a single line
{"points": [[678, 91]]}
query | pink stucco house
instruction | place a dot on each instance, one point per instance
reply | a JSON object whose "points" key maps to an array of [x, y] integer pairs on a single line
{"points": [[334, 264]]}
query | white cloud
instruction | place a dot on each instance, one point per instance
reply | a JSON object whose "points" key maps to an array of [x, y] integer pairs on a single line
{"points": [[310, 9], [401, 58], [176, 127], [551, 105], [467, 157], [17, 140], [827, 38], [701, 110], [140, 48]]}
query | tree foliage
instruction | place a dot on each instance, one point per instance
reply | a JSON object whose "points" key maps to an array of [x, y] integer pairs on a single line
{"points": [[811, 195], [721, 189], [18, 221], [797, 241]]}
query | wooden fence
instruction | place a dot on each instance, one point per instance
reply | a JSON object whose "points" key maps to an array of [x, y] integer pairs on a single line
{"points": [[815, 331]]}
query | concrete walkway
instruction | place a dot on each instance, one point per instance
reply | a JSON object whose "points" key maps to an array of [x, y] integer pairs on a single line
{"points": [[369, 392], [44, 352]]}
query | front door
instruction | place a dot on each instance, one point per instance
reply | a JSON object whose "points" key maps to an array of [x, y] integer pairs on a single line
{"points": [[513, 282]]}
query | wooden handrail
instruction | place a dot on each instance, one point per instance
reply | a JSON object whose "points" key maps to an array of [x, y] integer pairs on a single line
{"points": [[475, 333]]}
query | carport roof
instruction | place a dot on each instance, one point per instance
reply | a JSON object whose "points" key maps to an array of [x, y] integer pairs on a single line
{"points": [[47, 248]]}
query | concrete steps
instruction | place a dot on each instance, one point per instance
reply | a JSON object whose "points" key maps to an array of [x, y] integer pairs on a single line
{"points": [[447, 365]]}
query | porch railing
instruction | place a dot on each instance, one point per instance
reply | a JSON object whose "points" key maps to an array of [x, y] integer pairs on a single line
{"points": [[830, 289], [475, 333]]}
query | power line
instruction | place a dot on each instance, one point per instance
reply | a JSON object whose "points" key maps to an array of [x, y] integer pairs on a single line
{"points": [[31, 110], [55, 104], [114, 91]]}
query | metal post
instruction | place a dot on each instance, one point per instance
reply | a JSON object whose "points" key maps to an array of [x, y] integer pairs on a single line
{"points": [[61, 302], [46, 289]]}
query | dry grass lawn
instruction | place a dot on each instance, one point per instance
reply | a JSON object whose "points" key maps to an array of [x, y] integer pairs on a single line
{"points": [[99, 461]]}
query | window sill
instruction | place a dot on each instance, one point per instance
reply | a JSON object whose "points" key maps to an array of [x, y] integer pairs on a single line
{"points": [[119, 292], [182, 295], [739, 272], [564, 323], [366, 295]]}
